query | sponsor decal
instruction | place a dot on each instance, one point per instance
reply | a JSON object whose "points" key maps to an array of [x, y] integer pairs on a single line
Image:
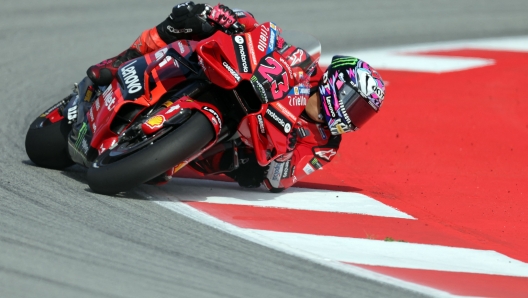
{"points": [[242, 57], [92, 118], [172, 109], [337, 127], [109, 98], [258, 86], [178, 168], [285, 46], [263, 39], [329, 105], [72, 113], [201, 63], [287, 66], [285, 111], [232, 71], [215, 114], [240, 14], [102, 149], [273, 38], [280, 43], [181, 47], [296, 57], [130, 78], [344, 61], [308, 169], [251, 48], [48, 111], [297, 101], [94, 127], [137, 44], [344, 113], [325, 153], [261, 124], [286, 170], [301, 90], [97, 105], [88, 95], [167, 60], [155, 121], [316, 164], [84, 146], [185, 4], [321, 131], [273, 71], [275, 173], [278, 120], [81, 135], [303, 132], [167, 104], [159, 54], [176, 31], [379, 92]]}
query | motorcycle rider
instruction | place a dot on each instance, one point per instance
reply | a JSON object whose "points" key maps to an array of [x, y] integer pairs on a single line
{"points": [[186, 21], [342, 99]]}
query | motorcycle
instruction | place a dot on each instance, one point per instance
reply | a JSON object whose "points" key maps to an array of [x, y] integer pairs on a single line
{"points": [[167, 108]]}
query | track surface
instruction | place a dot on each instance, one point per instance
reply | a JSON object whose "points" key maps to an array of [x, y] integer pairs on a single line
{"points": [[57, 239]]}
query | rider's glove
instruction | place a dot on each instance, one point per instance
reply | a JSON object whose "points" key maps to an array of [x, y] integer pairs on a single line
{"points": [[223, 16]]}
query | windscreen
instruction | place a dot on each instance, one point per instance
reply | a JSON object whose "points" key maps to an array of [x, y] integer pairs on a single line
{"points": [[308, 43]]}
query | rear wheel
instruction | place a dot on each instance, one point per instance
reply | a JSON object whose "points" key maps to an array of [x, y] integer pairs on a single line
{"points": [[132, 163]]}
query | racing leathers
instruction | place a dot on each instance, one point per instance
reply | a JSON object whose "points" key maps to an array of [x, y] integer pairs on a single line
{"points": [[186, 21], [312, 144]]}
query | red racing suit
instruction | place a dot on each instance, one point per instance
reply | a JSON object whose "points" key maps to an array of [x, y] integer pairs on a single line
{"points": [[313, 147], [180, 24]]}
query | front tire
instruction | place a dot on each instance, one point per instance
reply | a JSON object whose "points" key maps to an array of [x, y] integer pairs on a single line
{"points": [[110, 176]]}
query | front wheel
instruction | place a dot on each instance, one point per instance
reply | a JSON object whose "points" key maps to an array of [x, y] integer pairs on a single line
{"points": [[125, 166]]}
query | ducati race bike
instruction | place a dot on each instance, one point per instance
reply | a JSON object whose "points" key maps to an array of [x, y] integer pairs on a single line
{"points": [[166, 109]]}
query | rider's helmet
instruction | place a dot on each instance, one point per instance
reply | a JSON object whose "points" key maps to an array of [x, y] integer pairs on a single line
{"points": [[351, 93]]}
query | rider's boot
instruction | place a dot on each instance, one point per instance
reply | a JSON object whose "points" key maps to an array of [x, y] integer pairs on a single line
{"points": [[103, 73]]}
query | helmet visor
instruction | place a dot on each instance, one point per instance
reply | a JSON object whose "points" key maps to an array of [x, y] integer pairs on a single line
{"points": [[356, 107]]}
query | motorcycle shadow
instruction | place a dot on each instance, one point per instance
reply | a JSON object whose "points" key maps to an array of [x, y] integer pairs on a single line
{"points": [[221, 191], [75, 172]]}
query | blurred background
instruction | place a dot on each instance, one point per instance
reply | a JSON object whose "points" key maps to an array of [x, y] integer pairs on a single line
{"points": [[59, 240]]}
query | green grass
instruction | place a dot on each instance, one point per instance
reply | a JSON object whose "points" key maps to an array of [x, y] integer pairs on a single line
{"points": [[390, 239]]}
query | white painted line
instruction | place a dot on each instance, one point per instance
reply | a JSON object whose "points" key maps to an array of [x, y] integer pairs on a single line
{"points": [[219, 192], [399, 254], [408, 58], [510, 44], [158, 196], [417, 63]]}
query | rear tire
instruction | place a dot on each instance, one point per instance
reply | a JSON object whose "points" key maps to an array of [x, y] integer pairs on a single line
{"points": [[151, 161], [47, 146]]}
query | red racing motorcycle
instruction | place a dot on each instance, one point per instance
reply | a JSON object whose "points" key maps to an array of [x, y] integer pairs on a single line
{"points": [[167, 108]]}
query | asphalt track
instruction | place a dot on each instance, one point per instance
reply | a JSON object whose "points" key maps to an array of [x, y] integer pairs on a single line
{"points": [[57, 239]]}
